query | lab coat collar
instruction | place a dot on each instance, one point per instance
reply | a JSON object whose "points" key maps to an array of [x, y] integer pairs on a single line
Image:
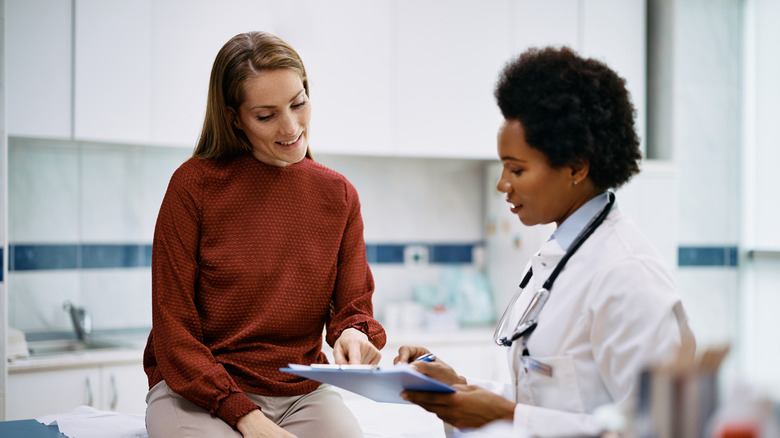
{"points": [[574, 224]]}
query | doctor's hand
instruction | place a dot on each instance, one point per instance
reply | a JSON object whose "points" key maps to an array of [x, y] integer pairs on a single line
{"points": [[437, 370], [256, 425], [470, 407], [354, 348]]}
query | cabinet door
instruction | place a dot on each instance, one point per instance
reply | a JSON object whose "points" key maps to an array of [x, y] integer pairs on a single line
{"points": [[124, 388], [187, 34], [113, 70], [347, 48], [447, 63], [34, 394], [38, 68], [614, 31], [546, 23]]}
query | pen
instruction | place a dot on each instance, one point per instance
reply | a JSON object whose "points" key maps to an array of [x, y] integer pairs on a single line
{"points": [[430, 357]]}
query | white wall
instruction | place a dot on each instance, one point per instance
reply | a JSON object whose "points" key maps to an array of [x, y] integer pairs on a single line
{"points": [[760, 206]]}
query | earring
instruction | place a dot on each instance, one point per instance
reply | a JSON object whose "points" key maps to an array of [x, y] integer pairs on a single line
{"points": [[574, 182]]}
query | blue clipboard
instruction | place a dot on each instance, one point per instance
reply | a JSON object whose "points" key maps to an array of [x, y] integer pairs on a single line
{"points": [[382, 385]]}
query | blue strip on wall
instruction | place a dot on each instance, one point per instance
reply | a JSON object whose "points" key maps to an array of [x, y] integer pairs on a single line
{"points": [[691, 256], [437, 253], [34, 257], [102, 256], [384, 253], [72, 256], [451, 253], [112, 256]]}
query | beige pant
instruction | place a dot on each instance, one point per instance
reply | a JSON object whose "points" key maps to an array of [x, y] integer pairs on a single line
{"points": [[320, 413]]}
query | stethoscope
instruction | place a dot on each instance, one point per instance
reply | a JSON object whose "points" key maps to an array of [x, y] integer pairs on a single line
{"points": [[529, 320]]}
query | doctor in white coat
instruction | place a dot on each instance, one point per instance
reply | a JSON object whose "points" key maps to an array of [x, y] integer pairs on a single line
{"points": [[612, 308]]}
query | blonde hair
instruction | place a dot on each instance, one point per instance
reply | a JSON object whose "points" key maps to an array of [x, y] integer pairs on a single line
{"points": [[241, 58]]}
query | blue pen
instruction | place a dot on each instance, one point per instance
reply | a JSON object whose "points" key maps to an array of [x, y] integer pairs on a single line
{"points": [[430, 357]]}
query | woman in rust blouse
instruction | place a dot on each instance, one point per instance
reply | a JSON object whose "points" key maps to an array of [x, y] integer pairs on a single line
{"points": [[256, 248]]}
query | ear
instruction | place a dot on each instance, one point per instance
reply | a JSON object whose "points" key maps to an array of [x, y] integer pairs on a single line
{"points": [[579, 171], [234, 119]]}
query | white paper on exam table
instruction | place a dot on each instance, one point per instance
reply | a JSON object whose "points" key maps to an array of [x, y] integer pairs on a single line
{"points": [[378, 384]]}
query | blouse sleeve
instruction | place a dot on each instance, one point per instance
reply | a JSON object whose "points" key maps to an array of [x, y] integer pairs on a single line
{"points": [[352, 306], [185, 363]]}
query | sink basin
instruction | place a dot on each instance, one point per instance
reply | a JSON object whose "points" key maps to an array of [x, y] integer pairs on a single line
{"points": [[59, 346]]}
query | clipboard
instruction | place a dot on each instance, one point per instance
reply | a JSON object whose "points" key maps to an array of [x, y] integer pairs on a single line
{"points": [[378, 384]]}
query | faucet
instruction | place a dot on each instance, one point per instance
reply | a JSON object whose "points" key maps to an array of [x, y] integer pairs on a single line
{"points": [[82, 322]]}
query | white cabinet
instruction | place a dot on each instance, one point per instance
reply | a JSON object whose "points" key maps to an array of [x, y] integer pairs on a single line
{"points": [[345, 45], [446, 67], [551, 22], [38, 68], [386, 78], [347, 48], [112, 87], [124, 388], [614, 31], [186, 36], [120, 388], [33, 394]]}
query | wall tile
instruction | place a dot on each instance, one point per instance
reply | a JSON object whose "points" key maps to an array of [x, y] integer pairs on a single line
{"points": [[712, 301], [157, 167], [117, 298], [35, 299], [43, 195], [707, 114], [415, 199], [111, 193]]}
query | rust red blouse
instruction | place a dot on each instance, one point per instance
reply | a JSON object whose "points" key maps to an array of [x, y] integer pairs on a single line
{"points": [[249, 263]]}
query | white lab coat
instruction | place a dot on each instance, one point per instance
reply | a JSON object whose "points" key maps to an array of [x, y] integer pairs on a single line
{"points": [[613, 310]]}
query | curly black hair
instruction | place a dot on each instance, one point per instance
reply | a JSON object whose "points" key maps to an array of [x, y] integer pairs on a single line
{"points": [[573, 110]]}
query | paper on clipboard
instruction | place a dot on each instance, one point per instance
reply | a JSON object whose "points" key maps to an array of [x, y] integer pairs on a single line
{"points": [[378, 384]]}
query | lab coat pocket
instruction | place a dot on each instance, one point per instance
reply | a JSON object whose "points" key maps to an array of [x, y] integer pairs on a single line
{"points": [[555, 387]]}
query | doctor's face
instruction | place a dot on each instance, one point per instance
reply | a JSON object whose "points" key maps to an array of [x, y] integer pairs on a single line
{"points": [[536, 192], [275, 117]]}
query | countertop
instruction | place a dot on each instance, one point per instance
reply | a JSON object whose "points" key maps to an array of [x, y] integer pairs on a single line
{"points": [[133, 342]]}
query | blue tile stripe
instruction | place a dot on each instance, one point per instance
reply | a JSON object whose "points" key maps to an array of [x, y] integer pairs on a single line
{"points": [[437, 253], [103, 256], [74, 256], [691, 256]]}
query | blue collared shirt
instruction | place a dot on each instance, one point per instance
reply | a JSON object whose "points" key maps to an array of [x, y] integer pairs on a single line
{"points": [[574, 224]]}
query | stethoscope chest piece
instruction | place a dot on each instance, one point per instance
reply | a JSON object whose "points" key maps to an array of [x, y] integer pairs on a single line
{"points": [[530, 318]]}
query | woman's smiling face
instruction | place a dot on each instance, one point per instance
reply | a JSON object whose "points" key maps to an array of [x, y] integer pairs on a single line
{"points": [[537, 192], [275, 117]]}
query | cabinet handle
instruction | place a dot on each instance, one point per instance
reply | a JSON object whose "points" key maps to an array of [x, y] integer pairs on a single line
{"points": [[89, 392], [114, 393]]}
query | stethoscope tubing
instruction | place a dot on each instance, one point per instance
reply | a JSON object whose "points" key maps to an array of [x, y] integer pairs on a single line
{"points": [[529, 320]]}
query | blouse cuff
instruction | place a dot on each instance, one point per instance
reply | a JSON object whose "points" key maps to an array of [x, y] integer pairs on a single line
{"points": [[233, 407]]}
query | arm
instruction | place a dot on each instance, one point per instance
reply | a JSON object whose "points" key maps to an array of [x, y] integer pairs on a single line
{"points": [[256, 425], [470, 407], [635, 305], [353, 290], [632, 324], [183, 361]]}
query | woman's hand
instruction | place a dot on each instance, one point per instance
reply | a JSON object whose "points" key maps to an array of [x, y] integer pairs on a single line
{"points": [[469, 407], [354, 348], [437, 370], [256, 425]]}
